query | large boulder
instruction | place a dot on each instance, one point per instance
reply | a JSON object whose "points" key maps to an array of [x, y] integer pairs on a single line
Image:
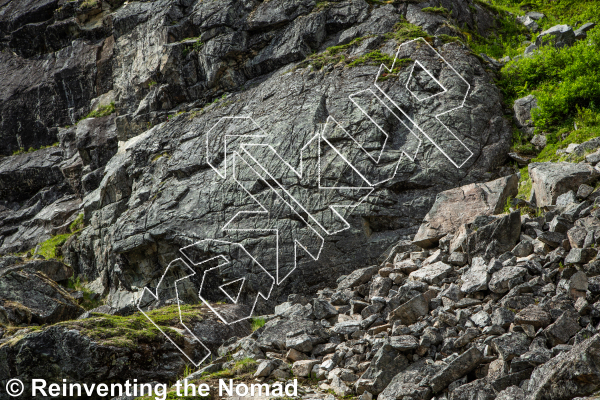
{"points": [[558, 35], [159, 193], [574, 373], [386, 363], [551, 179], [495, 238], [455, 207], [47, 301]]}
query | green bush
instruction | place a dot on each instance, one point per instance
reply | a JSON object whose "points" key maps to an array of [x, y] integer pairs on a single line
{"points": [[563, 80]]}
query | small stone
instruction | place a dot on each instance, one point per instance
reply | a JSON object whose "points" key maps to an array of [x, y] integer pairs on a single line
{"points": [[580, 256], [458, 259], [523, 249], [403, 342], [481, 319], [508, 277], [511, 345], [294, 355], [533, 315], [578, 284], [503, 317], [476, 278], [563, 329], [584, 191], [302, 343], [264, 368], [459, 367], [409, 312], [303, 368], [432, 273]]}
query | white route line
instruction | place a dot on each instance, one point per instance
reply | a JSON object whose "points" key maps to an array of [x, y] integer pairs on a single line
{"points": [[437, 94], [155, 296], [291, 201]]}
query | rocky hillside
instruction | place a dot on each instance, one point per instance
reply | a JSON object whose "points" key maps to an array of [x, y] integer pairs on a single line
{"points": [[404, 194]]}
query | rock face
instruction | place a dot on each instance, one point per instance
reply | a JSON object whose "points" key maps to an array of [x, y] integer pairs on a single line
{"points": [[571, 374], [550, 180], [159, 193], [455, 207], [85, 350], [46, 301]]}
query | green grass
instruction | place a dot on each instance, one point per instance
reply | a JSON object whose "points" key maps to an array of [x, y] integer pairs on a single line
{"points": [[77, 224], [525, 188], [88, 4], [504, 40], [134, 330], [332, 55], [401, 32], [257, 323], [101, 111], [241, 367], [437, 10], [31, 149], [404, 30], [48, 247]]}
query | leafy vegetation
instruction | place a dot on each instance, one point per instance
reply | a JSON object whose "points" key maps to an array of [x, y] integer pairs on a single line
{"points": [[563, 81], [48, 248], [191, 44], [101, 111]]}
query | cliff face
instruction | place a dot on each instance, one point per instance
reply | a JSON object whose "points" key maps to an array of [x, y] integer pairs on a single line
{"points": [[169, 70]]}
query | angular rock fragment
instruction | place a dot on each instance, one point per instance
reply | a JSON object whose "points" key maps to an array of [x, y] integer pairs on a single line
{"points": [[459, 206]]}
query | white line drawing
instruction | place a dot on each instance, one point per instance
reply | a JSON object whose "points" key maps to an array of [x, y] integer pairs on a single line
{"points": [[381, 70], [252, 149], [223, 263], [155, 296]]}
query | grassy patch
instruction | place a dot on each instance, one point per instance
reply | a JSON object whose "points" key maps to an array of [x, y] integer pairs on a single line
{"points": [[22, 150], [437, 10], [505, 40], [241, 367], [332, 55], [136, 329], [257, 323], [404, 31], [88, 4], [101, 111], [77, 224], [48, 247]]}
